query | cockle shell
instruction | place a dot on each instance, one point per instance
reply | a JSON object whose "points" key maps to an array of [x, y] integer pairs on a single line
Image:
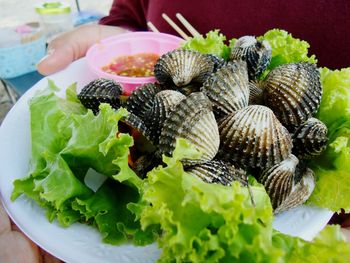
{"points": [[100, 91], [194, 120], [310, 139], [253, 137], [256, 93], [141, 99], [218, 62], [135, 122], [183, 66], [293, 92], [256, 53], [163, 103], [218, 172], [299, 193], [279, 180], [228, 88]]}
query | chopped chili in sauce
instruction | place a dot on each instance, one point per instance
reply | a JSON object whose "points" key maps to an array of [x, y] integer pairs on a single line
{"points": [[138, 65]]}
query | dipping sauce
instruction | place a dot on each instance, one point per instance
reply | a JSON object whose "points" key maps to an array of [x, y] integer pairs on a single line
{"points": [[138, 65]]}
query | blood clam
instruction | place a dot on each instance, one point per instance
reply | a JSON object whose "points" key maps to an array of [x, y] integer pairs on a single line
{"points": [[300, 192], [310, 139], [256, 53], [254, 138], [100, 91], [293, 92], [217, 171], [228, 88], [163, 103], [183, 66], [194, 120], [279, 180]]}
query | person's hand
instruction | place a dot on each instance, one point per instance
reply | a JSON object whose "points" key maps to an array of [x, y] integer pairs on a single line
{"points": [[73, 45], [15, 247]]}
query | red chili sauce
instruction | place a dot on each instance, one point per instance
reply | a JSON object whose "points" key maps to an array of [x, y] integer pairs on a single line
{"points": [[138, 65]]}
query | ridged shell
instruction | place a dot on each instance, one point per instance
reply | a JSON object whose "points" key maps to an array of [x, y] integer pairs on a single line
{"points": [[300, 192], [141, 99], [138, 124], [310, 139], [293, 92], [183, 66], [256, 93], [163, 103], [100, 91], [218, 172], [218, 62], [144, 164], [279, 180], [253, 137], [257, 54], [193, 120], [228, 88]]}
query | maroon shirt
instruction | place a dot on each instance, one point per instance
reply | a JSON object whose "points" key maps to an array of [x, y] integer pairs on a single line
{"points": [[325, 24]]}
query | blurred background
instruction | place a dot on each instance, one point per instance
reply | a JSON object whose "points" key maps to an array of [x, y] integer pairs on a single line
{"points": [[26, 27], [14, 12]]}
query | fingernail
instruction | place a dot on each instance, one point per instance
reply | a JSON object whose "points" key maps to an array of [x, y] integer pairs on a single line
{"points": [[48, 54]]}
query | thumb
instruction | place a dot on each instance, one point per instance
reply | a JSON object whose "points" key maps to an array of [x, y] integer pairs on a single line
{"points": [[66, 48], [56, 59]]}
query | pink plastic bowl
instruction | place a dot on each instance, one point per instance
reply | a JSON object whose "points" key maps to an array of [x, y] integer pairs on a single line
{"points": [[101, 54]]}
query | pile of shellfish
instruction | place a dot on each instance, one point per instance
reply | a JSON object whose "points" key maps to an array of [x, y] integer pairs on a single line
{"points": [[241, 124]]}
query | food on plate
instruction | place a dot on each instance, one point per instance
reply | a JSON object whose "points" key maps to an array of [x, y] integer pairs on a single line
{"points": [[293, 92], [254, 138], [207, 140], [100, 91], [228, 88], [310, 139], [137, 65], [256, 53], [182, 67]]}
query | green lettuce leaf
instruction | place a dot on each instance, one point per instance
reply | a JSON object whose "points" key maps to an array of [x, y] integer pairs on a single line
{"points": [[68, 140], [286, 48], [328, 246], [204, 222], [332, 168], [212, 43]]}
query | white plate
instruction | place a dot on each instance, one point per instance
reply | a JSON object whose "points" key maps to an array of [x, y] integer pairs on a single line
{"points": [[81, 243]]}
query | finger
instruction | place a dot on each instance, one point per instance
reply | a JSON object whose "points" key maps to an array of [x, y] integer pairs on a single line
{"points": [[48, 258], [5, 225], [15, 247], [56, 59]]}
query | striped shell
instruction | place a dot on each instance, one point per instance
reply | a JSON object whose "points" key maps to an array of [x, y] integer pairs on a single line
{"points": [[300, 192], [257, 54], [256, 93], [141, 99], [310, 139], [253, 137], [193, 120], [228, 88], [279, 180], [293, 92], [163, 103], [218, 172], [100, 91], [183, 66]]}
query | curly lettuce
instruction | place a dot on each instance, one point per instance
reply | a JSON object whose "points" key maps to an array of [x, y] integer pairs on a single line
{"points": [[68, 140], [212, 43], [332, 168], [286, 48]]}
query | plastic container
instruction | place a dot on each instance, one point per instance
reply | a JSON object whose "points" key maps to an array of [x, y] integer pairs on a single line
{"points": [[21, 50], [101, 54], [56, 17]]}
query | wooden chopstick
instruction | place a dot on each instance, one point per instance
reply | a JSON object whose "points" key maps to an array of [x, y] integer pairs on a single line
{"points": [[187, 25], [152, 27], [175, 27]]}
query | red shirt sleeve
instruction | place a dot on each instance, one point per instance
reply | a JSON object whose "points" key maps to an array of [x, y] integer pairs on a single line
{"points": [[129, 14]]}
